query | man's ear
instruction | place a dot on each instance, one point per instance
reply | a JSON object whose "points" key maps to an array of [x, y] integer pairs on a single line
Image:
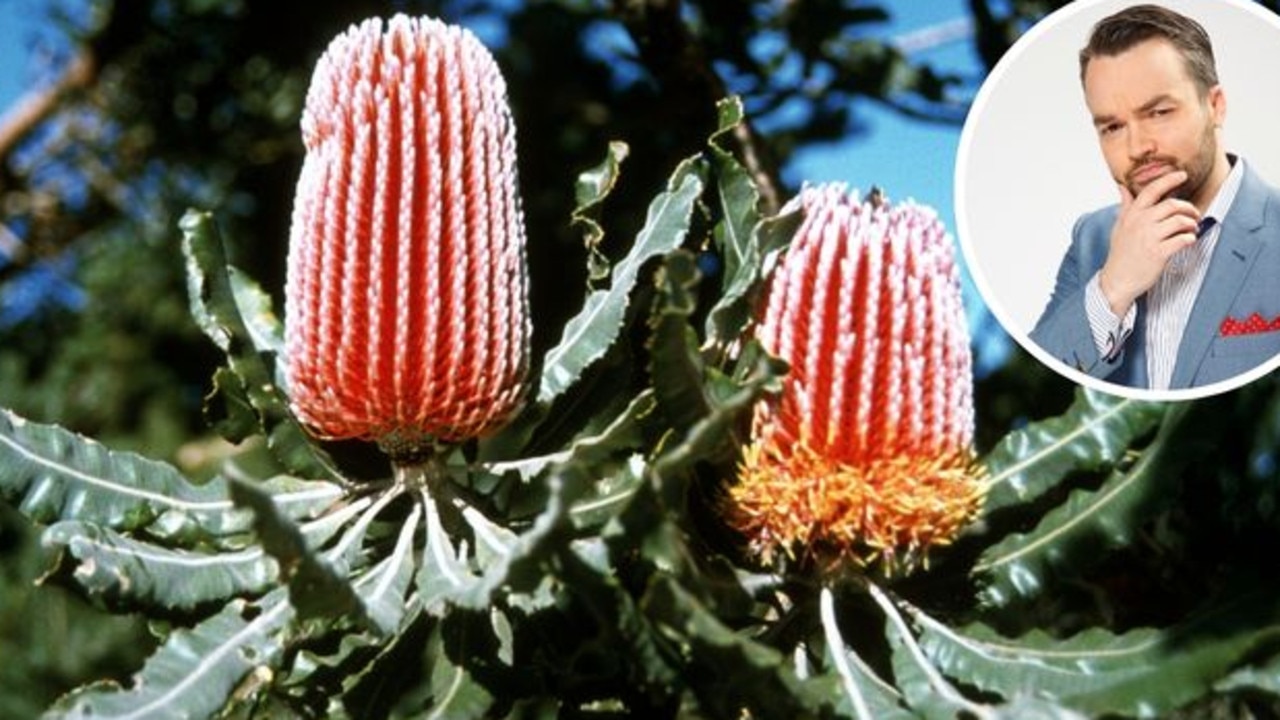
{"points": [[1217, 105]]}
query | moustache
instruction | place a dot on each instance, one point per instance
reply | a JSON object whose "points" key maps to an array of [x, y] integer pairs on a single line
{"points": [[1138, 167]]}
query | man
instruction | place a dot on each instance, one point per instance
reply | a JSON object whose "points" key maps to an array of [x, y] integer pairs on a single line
{"points": [[1178, 285]]}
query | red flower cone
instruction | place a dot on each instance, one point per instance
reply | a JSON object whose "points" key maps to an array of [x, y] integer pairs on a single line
{"points": [[407, 302], [866, 452]]}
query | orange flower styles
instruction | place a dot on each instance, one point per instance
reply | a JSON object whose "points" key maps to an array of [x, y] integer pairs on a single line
{"points": [[866, 452], [407, 301]]}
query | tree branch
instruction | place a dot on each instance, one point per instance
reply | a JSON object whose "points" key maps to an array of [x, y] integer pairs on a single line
{"points": [[36, 106], [691, 85]]}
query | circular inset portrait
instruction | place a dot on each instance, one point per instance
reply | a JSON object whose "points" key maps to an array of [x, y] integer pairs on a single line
{"points": [[1117, 195]]}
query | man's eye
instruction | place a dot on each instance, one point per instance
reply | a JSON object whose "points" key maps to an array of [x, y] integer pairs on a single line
{"points": [[1110, 129]]}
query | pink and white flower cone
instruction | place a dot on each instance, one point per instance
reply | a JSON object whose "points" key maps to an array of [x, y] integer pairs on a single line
{"points": [[866, 454], [407, 303]]}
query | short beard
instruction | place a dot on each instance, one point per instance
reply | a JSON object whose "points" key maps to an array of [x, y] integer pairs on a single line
{"points": [[1197, 168]]}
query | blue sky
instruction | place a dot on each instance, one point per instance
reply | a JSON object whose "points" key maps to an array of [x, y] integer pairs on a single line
{"points": [[17, 23], [907, 158]]}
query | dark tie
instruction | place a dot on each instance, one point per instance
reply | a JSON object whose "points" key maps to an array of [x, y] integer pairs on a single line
{"points": [[1205, 226]]}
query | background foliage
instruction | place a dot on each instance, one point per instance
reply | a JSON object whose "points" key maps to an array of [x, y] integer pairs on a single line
{"points": [[1115, 568]]}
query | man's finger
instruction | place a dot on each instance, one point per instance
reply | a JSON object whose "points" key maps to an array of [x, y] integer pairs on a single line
{"points": [[1171, 245], [1126, 197], [1177, 207], [1178, 224], [1161, 186]]}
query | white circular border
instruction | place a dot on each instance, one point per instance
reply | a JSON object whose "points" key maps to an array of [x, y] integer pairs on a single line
{"points": [[1096, 9]]}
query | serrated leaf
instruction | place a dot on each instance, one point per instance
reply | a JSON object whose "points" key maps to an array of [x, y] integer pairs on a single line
{"points": [[444, 573], [622, 629], [622, 434], [195, 670], [590, 191], [227, 408], [455, 695], [265, 330], [590, 333], [1090, 522], [379, 677], [470, 574], [731, 674], [926, 691], [121, 569], [52, 474], [382, 590], [609, 494], [1093, 434], [711, 437], [608, 457], [1144, 672], [675, 366], [738, 197], [1263, 677], [651, 521], [316, 587], [745, 242], [216, 306], [868, 696]]}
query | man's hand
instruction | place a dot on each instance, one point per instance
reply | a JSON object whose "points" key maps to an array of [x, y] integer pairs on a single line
{"points": [[1148, 231]]}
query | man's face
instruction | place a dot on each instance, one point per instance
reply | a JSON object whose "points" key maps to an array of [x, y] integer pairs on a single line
{"points": [[1151, 119]]}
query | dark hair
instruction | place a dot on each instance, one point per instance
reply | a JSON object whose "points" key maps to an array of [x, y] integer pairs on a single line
{"points": [[1133, 25]]}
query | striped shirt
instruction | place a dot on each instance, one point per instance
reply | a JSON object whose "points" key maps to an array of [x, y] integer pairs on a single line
{"points": [[1170, 300]]}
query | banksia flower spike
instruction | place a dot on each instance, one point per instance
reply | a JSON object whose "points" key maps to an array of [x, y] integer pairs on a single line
{"points": [[407, 309], [865, 454]]}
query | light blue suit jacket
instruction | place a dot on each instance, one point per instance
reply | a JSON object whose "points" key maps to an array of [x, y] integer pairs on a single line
{"points": [[1243, 278]]}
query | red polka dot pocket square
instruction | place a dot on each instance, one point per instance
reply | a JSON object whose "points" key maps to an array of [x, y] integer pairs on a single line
{"points": [[1255, 324]]}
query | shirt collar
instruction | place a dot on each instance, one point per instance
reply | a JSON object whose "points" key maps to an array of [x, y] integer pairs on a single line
{"points": [[1222, 201]]}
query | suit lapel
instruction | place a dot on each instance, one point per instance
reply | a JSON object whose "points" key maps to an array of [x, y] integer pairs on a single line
{"points": [[1238, 246]]}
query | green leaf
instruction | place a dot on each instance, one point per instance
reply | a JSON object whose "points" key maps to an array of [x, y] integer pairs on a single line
{"points": [[379, 677], [609, 457], [382, 590], [1093, 434], [592, 188], [444, 573], [868, 696], [675, 367], [738, 197], [1090, 522], [227, 408], [496, 560], [194, 672], [624, 637], [455, 695], [52, 474], [731, 674], [1264, 677], [121, 569], [922, 684], [622, 434], [590, 333], [746, 243], [609, 495], [316, 587], [712, 436], [265, 330], [1144, 672], [217, 293]]}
